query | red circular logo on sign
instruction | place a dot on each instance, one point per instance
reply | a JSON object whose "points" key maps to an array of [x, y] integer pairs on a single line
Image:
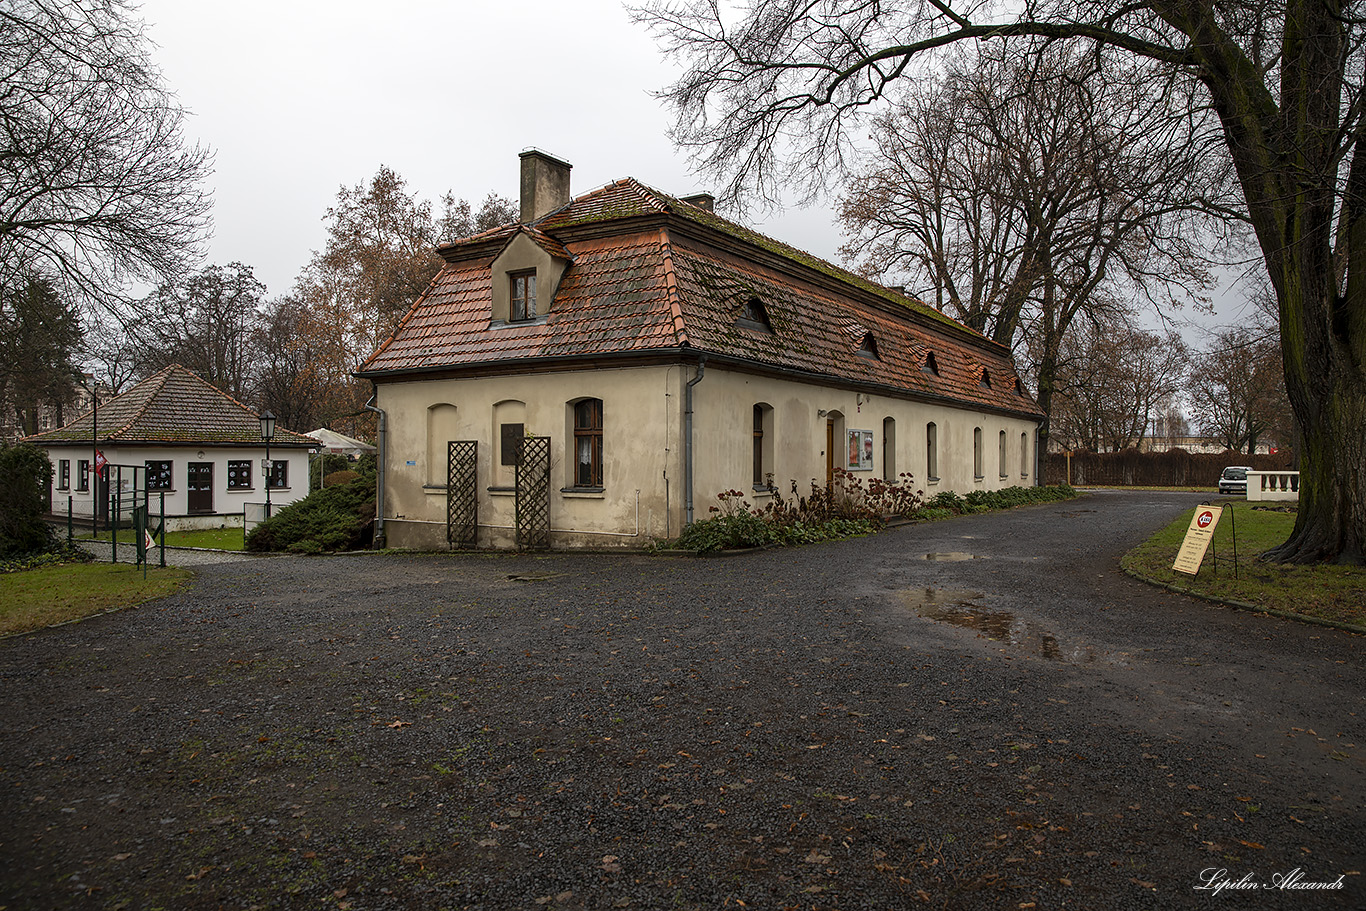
{"points": [[1205, 519]]}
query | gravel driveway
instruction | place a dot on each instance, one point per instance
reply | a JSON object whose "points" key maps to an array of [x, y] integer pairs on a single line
{"points": [[977, 713]]}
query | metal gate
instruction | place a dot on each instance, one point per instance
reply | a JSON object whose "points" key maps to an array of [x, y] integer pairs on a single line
{"points": [[533, 493], [462, 498]]}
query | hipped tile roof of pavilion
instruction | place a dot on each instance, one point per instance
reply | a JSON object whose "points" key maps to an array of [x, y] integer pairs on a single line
{"points": [[653, 276], [172, 408]]}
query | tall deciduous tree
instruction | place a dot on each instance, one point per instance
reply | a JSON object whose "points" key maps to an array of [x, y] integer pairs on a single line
{"points": [[380, 257], [1114, 380], [779, 92], [1236, 391], [381, 251], [1022, 190], [97, 182], [205, 322]]}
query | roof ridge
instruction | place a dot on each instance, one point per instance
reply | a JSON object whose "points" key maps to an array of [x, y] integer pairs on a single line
{"points": [[707, 217], [152, 392], [671, 289]]}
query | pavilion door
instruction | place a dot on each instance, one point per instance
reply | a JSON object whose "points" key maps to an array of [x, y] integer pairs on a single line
{"points": [[199, 483]]}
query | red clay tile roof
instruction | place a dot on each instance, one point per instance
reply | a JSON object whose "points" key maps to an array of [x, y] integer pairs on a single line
{"points": [[669, 276], [173, 407]]}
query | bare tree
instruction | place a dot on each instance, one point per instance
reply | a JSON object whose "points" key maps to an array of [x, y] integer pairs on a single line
{"points": [[97, 184], [1236, 391], [779, 94], [205, 322], [1022, 190], [1113, 382]]}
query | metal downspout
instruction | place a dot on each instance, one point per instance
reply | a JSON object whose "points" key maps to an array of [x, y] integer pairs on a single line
{"points": [[380, 462], [687, 437]]}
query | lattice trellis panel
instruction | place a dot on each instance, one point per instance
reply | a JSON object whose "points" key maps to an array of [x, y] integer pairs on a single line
{"points": [[533, 493], [462, 496]]}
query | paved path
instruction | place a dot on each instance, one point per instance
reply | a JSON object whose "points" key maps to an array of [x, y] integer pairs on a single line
{"points": [[175, 556], [981, 713]]}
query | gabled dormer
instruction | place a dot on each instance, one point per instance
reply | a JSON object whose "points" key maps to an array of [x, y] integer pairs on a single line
{"points": [[526, 275]]}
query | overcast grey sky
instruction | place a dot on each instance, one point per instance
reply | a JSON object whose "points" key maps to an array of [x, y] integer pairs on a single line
{"points": [[300, 97]]}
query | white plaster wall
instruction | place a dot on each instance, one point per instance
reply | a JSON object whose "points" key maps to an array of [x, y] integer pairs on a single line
{"points": [[724, 403], [225, 502], [641, 452], [643, 424]]}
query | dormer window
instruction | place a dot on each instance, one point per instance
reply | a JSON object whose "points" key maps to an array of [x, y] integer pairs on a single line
{"points": [[753, 316], [868, 348], [985, 380], [930, 366], [522, 296]]}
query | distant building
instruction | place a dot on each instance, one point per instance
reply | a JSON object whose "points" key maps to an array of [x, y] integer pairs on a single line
{"points": [[594, 375], [174, 435], [329, 441], [52, 415], [1194, 444]]}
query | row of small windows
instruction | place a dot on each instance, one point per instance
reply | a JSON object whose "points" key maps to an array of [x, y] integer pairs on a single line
{"points": [[588, 447], [160, 474], [753, 316], [763, 449], [1001, 456]]}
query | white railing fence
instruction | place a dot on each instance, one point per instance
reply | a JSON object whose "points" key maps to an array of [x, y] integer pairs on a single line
{"points": [[1273, 485]]}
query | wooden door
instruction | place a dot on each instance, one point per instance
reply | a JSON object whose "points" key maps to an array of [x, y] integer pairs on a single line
{"points": [[199, 484]]}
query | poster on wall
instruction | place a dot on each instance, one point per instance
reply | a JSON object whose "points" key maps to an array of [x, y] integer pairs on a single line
{"points": [[860, 450]]}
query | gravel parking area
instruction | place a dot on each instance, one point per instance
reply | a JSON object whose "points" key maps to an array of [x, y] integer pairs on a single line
{"points": [[977, 713]]}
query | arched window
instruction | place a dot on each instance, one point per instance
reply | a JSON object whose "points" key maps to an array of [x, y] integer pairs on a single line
{"points": [[868, 348], [588, 443], [977, 453], [441, 430], [889, 450], [753, 316], [1001, 455], [1024, 453], [931, 452], [762, 421]]}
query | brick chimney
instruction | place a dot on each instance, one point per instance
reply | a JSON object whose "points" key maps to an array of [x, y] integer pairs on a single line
{"points": [[545, 184], [702, 201]]}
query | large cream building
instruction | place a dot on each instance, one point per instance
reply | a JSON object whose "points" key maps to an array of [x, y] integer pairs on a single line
{"points": [[594, 375]]}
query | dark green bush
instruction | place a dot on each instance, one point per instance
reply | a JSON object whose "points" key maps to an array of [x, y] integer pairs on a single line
{"points": [[735, 524], [324, 464], [982, 500], [25, 474], [61, 552], [330, 519]]}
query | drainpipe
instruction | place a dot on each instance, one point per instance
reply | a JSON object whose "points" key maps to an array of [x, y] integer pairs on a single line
{"points": [[383, 457], [687, 436]]}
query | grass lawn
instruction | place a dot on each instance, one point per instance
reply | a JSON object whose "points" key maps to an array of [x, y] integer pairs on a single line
{"points": [[216, 538], [1335, 593], [34, 598]]}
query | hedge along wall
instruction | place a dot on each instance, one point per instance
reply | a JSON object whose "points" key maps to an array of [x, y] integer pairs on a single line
{"points": [[1174, 468]]}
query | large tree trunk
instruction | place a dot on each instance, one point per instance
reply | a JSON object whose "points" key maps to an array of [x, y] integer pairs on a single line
{"points": [[1287, 155], [1327, 388]]}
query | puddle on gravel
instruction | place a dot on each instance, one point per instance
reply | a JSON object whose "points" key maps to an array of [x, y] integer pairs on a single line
{"points": [[532, 577], [955, 556], [960, 608]]}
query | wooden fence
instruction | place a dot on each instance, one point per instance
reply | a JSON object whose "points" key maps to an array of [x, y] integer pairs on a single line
{"points": [[1174, 468]]}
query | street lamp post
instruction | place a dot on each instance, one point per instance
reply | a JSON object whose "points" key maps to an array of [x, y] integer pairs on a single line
{"points": [[267, 431]]}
